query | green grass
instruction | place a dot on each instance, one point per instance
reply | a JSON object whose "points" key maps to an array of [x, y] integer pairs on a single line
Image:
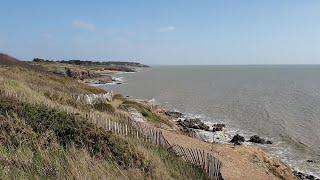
{"points": [[118, 97], [104, 107], [55, 162], [167, 165], [71, 130], [146, 112], [38, 142]]}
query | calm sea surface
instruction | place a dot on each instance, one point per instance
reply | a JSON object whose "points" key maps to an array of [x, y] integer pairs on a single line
{"points": [[281, 103]]}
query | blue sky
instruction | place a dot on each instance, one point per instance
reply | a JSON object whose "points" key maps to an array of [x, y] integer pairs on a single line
{"points": [[164, 31]]}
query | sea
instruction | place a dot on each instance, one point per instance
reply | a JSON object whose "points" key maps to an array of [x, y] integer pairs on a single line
{"points": [[280, 103]]}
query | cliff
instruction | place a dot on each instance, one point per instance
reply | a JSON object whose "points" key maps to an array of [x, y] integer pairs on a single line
{"points": [[47, 132], [53, 126]]}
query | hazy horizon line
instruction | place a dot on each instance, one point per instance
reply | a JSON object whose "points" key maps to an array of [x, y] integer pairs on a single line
{"points": [[228, 64]]}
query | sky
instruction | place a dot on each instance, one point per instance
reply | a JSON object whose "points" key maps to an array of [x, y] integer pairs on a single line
{"points": [[163, 32]]}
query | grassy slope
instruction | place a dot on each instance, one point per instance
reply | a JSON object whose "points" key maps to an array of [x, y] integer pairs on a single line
{"points": [[41, 142], [146, 112]]}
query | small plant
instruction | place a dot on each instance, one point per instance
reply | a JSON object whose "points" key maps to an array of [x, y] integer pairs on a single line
{"points": [[104, 107], [118, 97], [52, 96]]}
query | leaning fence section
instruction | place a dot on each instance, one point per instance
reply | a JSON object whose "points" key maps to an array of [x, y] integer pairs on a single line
{"points": [[205, 160], [129, 128]]}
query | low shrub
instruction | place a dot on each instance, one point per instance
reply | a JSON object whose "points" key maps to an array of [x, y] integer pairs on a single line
{"points": [[72, 130], [15, 133], [118, 97], [104, 107]]}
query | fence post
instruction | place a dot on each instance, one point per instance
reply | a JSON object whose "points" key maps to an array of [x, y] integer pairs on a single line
{"points": [[199, 158], [194, 157]]}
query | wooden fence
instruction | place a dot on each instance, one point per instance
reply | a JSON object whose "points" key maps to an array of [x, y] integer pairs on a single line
{"points": [[204, 160], [128, 127]]}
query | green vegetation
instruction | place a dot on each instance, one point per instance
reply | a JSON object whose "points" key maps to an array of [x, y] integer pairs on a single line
{"points": [[168, 166], [93, 63], [145, 111], [68, 130], [104, 107], [118, 97], [39, 140]]}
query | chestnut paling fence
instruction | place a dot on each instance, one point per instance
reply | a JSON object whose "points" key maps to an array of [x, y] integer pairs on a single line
{"points": [[128, 127]]}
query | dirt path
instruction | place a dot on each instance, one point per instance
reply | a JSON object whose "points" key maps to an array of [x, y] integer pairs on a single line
{"points": [[238, 162]]}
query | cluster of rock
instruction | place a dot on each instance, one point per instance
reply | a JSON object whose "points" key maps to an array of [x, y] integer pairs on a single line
{"points": [[238, 140], [79, 73], [88, 75], [95, 98], [189, 125], [259, 140], [193, 124], [303, 176], [218, 127], [173, 114], [196, 123]]}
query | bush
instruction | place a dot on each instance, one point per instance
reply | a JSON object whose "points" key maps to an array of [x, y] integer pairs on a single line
{"points": [[104, 107], [71, 130], [126, 153], [14, 133], [118, 97]]}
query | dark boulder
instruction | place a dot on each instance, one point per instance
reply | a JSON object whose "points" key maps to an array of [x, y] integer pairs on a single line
{"points": [[311, 161], [237, 139], [189, 132], [218, 127], [268, 142], [304, 176], [259, 140], [173, 114], [194, 124]]}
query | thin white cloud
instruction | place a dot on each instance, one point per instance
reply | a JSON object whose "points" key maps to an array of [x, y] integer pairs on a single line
{"points": [[166, 29], [46, 35], [84, 25]]}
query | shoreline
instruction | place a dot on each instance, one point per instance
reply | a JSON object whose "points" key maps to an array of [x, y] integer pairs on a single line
{"points": [[114, 80], [206, 136], [221, 136]]}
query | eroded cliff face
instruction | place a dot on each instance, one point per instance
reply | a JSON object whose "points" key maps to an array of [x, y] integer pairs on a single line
{"points": [[95, 98]]}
